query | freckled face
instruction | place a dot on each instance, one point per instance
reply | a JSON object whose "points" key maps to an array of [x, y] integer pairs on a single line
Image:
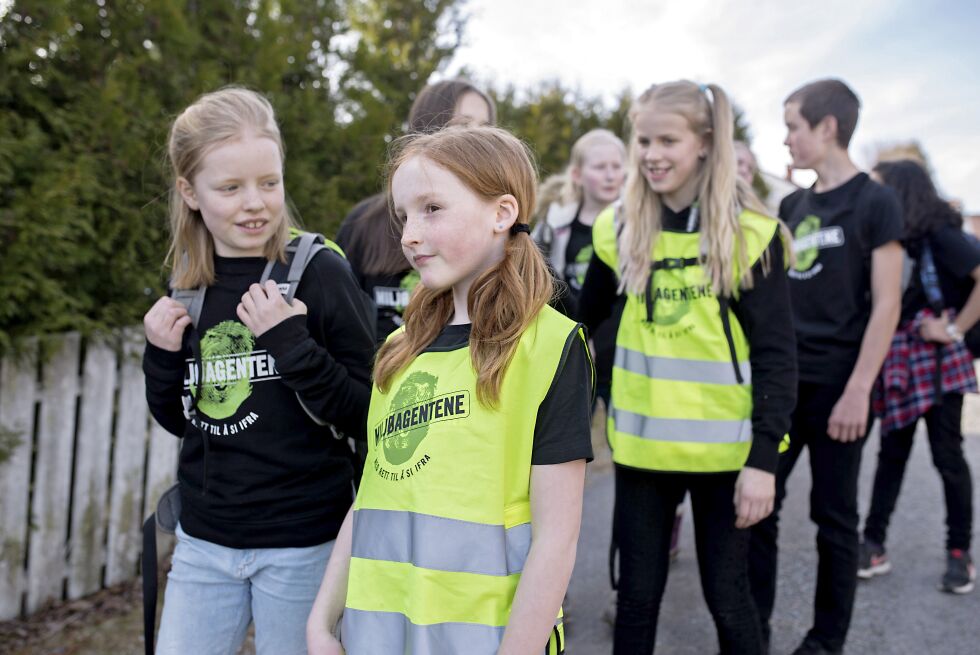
{"points": [[449, 233]]}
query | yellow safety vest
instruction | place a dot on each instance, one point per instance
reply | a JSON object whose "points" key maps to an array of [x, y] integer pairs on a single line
{"points": [[442, 520], [681, 387]]}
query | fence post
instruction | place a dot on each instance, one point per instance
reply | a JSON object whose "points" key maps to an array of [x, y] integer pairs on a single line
{"points": [[18, 392]]}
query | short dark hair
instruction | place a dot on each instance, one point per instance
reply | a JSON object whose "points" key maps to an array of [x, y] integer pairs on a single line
{"points": [[829, 97]]}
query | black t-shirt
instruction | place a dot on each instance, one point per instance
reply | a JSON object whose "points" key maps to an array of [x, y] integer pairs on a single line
{"points": [[562, 432], [955, 256], [578, 254], [830, 284]]}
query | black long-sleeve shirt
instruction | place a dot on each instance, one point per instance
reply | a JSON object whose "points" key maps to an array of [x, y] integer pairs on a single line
{"points": [[766, 319], [270, 475]]}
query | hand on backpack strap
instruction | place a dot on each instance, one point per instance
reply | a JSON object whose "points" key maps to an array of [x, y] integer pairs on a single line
{"points": [[263, 307], [165, 323]]}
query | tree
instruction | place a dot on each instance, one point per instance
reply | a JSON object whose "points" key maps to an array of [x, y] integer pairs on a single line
{"points": [[87, 94]]}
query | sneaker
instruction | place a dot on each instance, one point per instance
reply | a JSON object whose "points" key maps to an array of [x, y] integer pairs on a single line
{"points": [[960, 573], [872, 560], [812, 647]]}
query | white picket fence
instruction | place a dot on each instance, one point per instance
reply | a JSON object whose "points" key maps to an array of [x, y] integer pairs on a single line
{"points": [[81, 463]]}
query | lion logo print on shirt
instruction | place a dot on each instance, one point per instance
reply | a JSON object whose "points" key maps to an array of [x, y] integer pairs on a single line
{"points": [[809, 239], [229, 368], [412, 410]]}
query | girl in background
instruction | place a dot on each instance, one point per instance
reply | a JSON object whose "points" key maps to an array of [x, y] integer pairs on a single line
{"points": [[935, 318], [366, 234], [592, 181], [704, 376]]}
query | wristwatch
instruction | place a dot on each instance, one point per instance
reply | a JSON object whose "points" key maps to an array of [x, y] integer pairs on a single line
{"points": [[954, 332]]}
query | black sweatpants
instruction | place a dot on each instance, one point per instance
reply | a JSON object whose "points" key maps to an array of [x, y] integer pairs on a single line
{"points": [[646, 504], [834, 467], [946, 443]]}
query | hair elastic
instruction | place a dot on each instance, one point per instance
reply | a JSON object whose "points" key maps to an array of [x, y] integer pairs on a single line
{"points": [[517, 228]]}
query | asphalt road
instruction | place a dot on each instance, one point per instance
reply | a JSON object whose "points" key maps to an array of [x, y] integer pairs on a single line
{"points": [[897, 614]]}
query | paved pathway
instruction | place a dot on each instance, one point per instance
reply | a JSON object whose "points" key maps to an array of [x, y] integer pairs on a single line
{"points": [[898, 614]]}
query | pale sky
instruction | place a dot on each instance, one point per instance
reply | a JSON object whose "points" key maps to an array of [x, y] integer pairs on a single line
{"points": [[914, 64]]}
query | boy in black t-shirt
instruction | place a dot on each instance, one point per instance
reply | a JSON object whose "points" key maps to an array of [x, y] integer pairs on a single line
{"points": [[845, 290]]}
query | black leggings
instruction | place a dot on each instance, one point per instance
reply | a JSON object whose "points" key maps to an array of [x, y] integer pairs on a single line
{"points": [[946, 443], [646, 504]]}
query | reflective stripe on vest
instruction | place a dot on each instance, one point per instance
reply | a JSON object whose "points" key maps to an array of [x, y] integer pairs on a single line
{"points": [[677, 404], [391, 632], [440, 544], [680, 370], [680, 429]]}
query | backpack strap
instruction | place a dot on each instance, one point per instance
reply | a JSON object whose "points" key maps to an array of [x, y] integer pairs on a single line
{"points": [[930, 278], [192, 299], [299, 254], [934, 296]]}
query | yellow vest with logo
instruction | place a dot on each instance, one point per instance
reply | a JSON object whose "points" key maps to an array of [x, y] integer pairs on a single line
{"points": [[442, 519], [677, 402]]}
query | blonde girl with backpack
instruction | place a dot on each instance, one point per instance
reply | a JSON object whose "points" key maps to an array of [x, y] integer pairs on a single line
{"points": [[255, 386]]}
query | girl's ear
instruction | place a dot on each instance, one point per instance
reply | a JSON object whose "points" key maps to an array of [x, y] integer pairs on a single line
{"points": [[186, 190], [507, 212], [706, 142], [576, 175]]}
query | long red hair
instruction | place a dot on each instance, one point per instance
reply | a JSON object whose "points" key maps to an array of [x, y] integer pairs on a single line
{"points": [[506, 298]]}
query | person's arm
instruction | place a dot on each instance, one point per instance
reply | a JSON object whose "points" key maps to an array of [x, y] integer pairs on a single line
{"points": [[765, 314], [331, 381], [957, 258], [598, 294], [163, 362], [556, 516], [330, 599], [849, 417]]}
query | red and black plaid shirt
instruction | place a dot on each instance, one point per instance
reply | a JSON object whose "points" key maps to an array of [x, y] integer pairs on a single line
{"points": [[906, 387]]}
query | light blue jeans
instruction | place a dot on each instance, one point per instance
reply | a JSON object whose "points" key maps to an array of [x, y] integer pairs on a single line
{"points": [[214, 592]]}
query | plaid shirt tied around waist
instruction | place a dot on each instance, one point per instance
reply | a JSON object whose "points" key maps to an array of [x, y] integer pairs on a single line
{"points": [[906, 387]]}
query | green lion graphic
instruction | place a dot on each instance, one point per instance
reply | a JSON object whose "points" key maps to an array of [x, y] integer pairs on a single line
{"points": [[417, 388], [669, 312], [806, 258], [226, 340]]}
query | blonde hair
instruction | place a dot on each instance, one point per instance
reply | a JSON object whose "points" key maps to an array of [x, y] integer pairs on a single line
{"points": [[504, 300], [212, 120], [721, 196], [572, 193]]}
